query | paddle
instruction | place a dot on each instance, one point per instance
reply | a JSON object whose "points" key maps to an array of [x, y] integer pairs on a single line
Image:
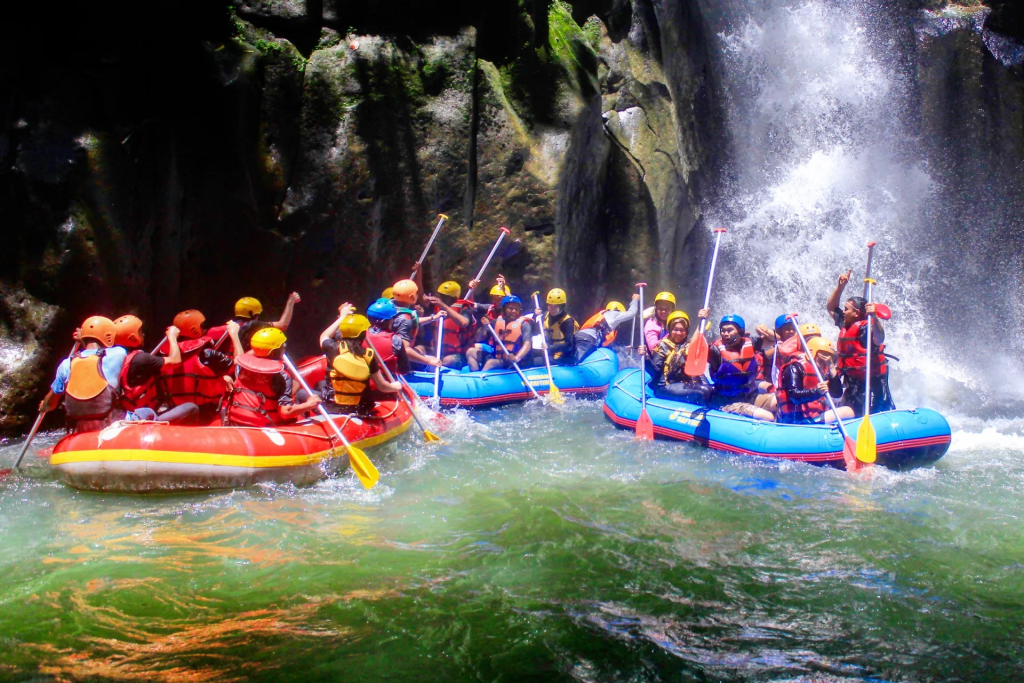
{"points": [[514, 363], [644, 426], [697, 356], [427, 435], [883, 311], [418, 400], [361, 465], [437, 368], [553, 393], [441, 218], [37, 424], [849, 447], [867, 448], [504, 231], [215, 346]]}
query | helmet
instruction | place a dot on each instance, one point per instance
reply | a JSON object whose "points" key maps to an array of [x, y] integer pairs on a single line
{"points": [[381, 309], [782, 320], [405, 292], [819, 344], [353, 326], [614, 306], [674, 316], [247, 307], [810, 330], [387, 293], [190, 323], [733, 320], [498, 290], [511, 299], [99, 328], [556, 296], [266, 340], [126, 331], [450, 289], [666, 296]]}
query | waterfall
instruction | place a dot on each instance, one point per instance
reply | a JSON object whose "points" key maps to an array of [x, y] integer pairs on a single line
{"points": [[825, 156]]}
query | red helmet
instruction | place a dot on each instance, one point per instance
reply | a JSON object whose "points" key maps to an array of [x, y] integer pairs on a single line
{"points": [[99, 328], [128, 332], [190, 323]]}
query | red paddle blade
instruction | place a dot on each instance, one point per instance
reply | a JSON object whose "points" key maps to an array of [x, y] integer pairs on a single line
{"points": [[644, 427], [850, 455], [697, 360], [883, 311]]}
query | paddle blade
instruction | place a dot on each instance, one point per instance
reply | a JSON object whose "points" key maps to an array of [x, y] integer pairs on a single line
{"points": [[431, 437], [850, 455], [555, 395], [867, 450], [644, 427], [883, 311], [364, 469], [697, 360]]}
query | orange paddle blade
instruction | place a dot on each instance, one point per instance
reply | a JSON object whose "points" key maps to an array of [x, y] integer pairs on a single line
{"points": [[697, 359], [850, 455], [644, 427]]}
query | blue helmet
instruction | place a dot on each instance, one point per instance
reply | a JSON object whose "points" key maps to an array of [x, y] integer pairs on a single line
{"points": [[783, 320], [735, 320], [381, 309], [511, 299]]}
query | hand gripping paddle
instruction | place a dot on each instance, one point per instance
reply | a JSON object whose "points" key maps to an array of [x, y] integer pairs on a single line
{"points": [[644, 426], [428, 436], [553, 393], [697, 357]]}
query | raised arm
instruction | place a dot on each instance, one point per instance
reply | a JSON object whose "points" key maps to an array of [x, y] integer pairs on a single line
{"points": [[344, 311], [289, 308], [837, 294]]}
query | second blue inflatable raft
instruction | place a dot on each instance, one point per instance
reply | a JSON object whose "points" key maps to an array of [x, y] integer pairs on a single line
{"points": [[495, 387], [906, 438]]}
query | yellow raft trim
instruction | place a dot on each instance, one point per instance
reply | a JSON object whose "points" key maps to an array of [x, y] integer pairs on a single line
{"points": [[191, 458]]}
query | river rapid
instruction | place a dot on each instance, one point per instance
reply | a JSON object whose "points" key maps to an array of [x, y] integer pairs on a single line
{"points": [[537, 543]]}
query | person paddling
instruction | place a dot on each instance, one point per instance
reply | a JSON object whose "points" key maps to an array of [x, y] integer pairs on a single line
{"points": [[457, 331], [734, 365], [351, 364], [559, 329], [801, 395], [197, 379], [669, 359], [852, 321], [407, 323], [601, 329], [389, 347], [141, 371], [516, 333]]}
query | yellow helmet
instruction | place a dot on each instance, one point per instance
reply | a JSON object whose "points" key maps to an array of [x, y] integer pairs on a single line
{"points": [[405, 292], [266, 340], [810, 330], [498, 290], [614, 306], [387, 293], [556, 296], [674, 316], [353, 326], [247, 307], [450, 289], [669, 297], [818, 344]]}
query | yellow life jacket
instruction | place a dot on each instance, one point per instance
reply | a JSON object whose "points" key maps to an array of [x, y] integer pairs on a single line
{"points": [[350, 376], [554, 331]]}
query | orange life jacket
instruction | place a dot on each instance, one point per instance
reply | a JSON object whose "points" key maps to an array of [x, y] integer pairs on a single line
{"points": [[138, 396], [853, 355], [253, 402], [801, 412], [88, 395], [510, 334], [597, 322], [190, 381], [456, 339]]}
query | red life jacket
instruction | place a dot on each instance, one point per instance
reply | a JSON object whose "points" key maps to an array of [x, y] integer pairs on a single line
{"points": [[597, 322], [190, 381], [853, 354], [88, 396], [737, 375], [381, 342], [139, 396], [801, 412], [510, 334], [252, 402]]}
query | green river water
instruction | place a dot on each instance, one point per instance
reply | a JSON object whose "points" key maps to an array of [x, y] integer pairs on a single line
{"points": [[537, 544]]}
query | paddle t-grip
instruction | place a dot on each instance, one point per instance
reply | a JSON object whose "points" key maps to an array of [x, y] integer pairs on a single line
{"points": [[641, 284], [719, 230]]}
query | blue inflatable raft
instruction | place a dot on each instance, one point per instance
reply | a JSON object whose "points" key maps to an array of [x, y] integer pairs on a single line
{"points": [[906, 438], [468, 389]]}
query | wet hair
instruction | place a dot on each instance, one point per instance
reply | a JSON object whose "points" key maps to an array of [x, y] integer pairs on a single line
{"points": [[860, 303]]}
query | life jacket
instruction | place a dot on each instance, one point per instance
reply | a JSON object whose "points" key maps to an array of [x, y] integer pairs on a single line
{"points": [[455, 339], [675, 359], [554, 331], [190, 381], [853, 354], [252, 402], [350, 376], [88, 395], [415, 318], [737, 375], [381, 343], [784, 352], [138, 396], [215, 334], [801, 412], [597, 322], [510, 334]]}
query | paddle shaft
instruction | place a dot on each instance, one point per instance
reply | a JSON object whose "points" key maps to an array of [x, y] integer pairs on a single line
{"points": [[867, 356], [38, 423], [867, 271], [504, 231], [215, 346], [711, 275], [441, 218], [401, 395], [437, 368], [514, 363], [320, 409], [547, 359], [643, 356], [817, 371]]}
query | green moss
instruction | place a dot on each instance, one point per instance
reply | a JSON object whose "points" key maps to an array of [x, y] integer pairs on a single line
{"points": [[267, 44], [592, 30]]}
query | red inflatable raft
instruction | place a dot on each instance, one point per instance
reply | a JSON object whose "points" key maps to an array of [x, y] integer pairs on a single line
{"points": [[155, 456]]}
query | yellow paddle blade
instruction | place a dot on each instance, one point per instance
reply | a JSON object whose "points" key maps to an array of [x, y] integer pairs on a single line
{"points": [[554, 394], [431, 437], [867, 449], [364, 469]]}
